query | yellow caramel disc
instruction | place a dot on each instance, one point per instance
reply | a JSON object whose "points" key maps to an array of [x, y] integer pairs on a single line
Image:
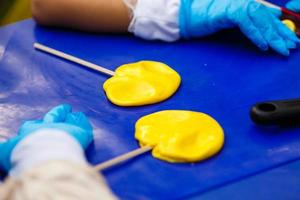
{"points": [[290, 24], [180, 136], [141, 83]]}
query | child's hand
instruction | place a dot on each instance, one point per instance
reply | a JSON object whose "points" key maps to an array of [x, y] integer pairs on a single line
{"points": [[259, 24], [293, 5], [59, 118]]}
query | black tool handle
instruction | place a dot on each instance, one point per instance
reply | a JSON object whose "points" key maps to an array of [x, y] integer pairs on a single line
{"points": [[276, 112]]}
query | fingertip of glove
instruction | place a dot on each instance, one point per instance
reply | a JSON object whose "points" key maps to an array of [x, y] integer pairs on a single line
{"points": [[264, 47], [291, 35], [291, 45], [77, 116], [285, 53], [66, 107], [283, 50], [79, 119], [62, 109], [58, 113], [297, 40]]}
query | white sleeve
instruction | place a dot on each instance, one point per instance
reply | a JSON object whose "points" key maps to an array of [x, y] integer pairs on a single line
{"points": [[43, 146], [156, 19]]}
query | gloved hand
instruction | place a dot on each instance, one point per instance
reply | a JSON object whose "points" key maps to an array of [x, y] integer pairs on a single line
{"points": [[293, 5], [59, 118], [203, 17]]}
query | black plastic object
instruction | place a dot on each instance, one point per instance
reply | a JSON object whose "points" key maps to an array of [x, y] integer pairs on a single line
{"points": [[276, 112]]}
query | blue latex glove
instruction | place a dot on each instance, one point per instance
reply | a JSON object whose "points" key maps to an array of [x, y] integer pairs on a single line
{"points": [[293, 5], [59, 118], [203, 17]]}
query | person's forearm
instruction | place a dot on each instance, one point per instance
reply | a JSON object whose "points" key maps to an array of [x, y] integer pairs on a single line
{"points": [[86, 15]]}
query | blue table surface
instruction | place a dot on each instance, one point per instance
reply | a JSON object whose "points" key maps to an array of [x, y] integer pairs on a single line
{"points": [[223, 76]]}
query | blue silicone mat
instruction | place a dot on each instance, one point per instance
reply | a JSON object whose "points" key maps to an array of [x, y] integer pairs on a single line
{"points": [[222, 76]]}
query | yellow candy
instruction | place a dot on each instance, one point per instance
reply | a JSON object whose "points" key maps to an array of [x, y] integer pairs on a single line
{"points": [[141, 83], [180, 136], [290, 24]]}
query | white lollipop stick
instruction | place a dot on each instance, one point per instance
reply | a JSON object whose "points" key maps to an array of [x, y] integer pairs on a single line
{"points": [[122, 158], [73, 59], [268, 4]]}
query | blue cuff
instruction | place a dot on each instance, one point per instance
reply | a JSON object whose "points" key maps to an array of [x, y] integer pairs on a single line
{"points": [[6, 149], [184, 18]]}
